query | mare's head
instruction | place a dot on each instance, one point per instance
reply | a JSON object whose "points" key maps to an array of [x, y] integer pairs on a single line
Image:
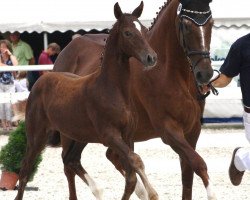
{"points": [[132, 36], [194, 27]]}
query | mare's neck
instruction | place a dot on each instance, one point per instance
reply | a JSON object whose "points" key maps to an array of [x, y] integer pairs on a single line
{"points": [[115, 68], [168, 47]]}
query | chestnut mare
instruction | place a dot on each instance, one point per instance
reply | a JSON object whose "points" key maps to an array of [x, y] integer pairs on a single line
{"points": [[96, 108], [168, 102]]}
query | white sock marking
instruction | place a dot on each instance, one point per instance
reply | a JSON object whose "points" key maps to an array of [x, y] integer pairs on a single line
{"points": [[97, 192]]}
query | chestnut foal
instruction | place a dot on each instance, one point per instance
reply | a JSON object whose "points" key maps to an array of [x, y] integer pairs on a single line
{"points": [[93, 109]]}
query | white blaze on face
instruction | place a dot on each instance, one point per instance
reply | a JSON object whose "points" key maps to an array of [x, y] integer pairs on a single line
{"points": [[138, 26]]}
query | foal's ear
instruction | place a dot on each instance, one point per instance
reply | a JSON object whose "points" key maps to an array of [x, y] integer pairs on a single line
{"points": [[117, 11], [138, 11]]}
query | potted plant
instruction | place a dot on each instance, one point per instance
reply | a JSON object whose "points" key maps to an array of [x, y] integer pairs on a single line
{"points": [[11, 156]]}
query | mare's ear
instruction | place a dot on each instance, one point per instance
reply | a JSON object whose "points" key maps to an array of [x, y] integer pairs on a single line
{"points": [[117, 11], [138, 11], [184, 2]]}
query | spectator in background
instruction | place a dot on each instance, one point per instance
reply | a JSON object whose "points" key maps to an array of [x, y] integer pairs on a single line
{"points": [[22, 50], [6, 82], [23, 53], [44, 58]]}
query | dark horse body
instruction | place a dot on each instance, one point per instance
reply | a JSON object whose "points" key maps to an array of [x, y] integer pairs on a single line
{"points": [[96, 108], [167, 100]]}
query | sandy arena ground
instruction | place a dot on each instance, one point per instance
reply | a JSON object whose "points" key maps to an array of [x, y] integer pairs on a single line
{"points": [[162, 168]]}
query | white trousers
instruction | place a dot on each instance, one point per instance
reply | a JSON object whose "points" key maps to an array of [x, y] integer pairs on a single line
{"points": [[242, 156]]}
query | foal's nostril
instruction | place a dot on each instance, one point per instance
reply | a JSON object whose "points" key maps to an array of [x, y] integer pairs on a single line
{"points": [[151, 60]]}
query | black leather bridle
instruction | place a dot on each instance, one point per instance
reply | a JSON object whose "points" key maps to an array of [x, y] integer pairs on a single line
{"points": [[189, 53]]}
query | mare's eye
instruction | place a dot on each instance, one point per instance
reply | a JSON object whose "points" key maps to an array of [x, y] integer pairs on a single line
{"points": [[127, 33]]}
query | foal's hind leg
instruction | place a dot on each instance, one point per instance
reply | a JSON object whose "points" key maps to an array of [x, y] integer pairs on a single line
{"points": [[72, 165], [115, 160], [36, 141]]}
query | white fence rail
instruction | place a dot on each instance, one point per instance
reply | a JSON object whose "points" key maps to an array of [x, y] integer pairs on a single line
{"points": [[13, 97], [215, 64], [26, 68], [226, 105]]}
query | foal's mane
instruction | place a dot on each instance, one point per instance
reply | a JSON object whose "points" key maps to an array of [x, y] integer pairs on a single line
{"points": [[111, 32]]}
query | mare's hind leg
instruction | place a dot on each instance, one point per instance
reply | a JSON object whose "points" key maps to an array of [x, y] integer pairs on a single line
{"points": [[174, 136], [36, 141], [131, 162], [115, 160], [72, 166]]}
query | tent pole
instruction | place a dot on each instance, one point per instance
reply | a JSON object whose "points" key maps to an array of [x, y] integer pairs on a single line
{"points": [[45, 40]]}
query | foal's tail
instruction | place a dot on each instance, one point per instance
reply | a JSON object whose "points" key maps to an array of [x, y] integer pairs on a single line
{"points": [[19, 110], [54, 139]]}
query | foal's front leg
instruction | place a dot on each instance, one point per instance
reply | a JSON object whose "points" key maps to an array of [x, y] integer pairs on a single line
{"points": [[114, 140], [115, 160]]}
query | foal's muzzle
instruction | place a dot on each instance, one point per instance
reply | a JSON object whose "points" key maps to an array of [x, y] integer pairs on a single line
{"points": [[149, 60]]}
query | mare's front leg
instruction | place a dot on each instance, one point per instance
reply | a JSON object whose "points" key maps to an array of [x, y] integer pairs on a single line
{"points": [[187, 172], [172, 134], [130, 161], [71, 156]]}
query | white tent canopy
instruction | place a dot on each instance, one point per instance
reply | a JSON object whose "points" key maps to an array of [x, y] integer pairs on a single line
{"points": [[61, 15]]}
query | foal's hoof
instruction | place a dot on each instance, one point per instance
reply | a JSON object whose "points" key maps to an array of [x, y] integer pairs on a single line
{"points": [[213, 197], [154, 197]]}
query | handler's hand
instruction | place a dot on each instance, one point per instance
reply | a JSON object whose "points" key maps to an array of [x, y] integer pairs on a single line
{"points": [[205, 89]]}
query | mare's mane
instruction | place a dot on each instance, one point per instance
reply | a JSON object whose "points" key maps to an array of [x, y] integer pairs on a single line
{"points": [[158, 13]]}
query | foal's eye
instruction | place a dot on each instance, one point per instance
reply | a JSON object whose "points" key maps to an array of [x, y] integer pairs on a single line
{"points": [[127, 33]]}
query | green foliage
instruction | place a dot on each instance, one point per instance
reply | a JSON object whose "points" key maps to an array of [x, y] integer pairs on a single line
{"points": [[12, 153]]}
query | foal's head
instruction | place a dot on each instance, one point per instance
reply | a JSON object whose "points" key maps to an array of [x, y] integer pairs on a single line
{"points": [[132, 36], [194, 27]]}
